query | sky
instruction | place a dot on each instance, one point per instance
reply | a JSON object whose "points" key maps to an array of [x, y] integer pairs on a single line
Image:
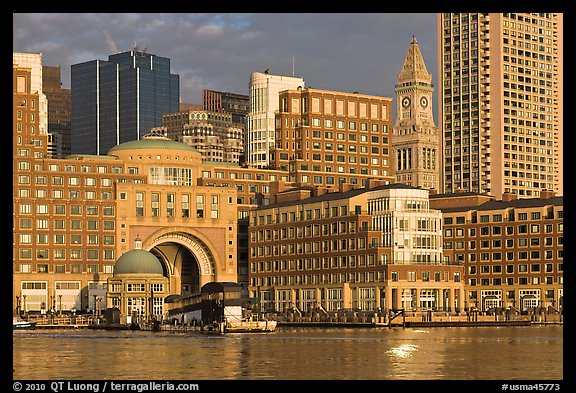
{"points": [[349, 52]]}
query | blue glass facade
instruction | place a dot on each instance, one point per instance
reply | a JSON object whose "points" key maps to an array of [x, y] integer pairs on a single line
{"points": [[120, 100]]}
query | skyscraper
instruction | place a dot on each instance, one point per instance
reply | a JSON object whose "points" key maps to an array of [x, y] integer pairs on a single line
{"points": [[59, 113], [415, 141], [263, 93], [120, 100], [500, 102]]}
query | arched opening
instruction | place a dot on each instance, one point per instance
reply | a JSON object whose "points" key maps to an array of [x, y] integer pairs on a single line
{"points": [[184, 264]]}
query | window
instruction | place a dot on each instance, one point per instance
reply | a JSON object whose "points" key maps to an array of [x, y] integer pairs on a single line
{"points": [[155, 204], [214, 206], [139, 204]]}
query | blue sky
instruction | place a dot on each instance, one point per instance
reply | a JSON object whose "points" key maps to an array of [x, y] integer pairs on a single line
{"points": [[360, 52]]}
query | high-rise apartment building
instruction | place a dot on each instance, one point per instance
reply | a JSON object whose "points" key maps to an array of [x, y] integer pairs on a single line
{"points": [[325, 138], [260, 129], [120, 100], [500, 102], [415, 141]]}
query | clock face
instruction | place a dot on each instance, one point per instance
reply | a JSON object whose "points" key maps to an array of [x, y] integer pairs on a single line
{"points": [[424, 102], [405, 102]]}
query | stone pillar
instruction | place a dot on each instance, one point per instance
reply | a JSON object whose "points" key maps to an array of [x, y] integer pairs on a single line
{"points": [[461, 299], [451, 299], [417, 308], [388, 297], [398, 304], [378, 297], [293, 297], [346, 295]]}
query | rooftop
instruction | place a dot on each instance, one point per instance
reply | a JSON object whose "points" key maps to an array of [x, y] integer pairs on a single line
{"points": [[152, 143]]}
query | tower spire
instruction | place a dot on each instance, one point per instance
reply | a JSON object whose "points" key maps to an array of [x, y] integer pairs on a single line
{"points": [[414, 68]]}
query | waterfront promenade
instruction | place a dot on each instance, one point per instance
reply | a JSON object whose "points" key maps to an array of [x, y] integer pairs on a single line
{"points": [[406, 319]]}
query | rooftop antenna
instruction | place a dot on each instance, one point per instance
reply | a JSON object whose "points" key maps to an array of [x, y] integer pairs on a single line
{"points": [[292, 65]]}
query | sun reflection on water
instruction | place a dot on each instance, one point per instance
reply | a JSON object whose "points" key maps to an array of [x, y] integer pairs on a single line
{"points": [[403, 351]]}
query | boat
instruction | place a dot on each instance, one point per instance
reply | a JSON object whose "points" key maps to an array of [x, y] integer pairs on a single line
{"points": [[261, 326], [150, 326], [20, 324]]}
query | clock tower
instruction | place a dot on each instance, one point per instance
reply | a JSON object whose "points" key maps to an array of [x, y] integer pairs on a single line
{"points": [[415, 138]]}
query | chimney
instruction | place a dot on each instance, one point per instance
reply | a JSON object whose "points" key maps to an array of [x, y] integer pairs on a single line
{"points": [[276, 187], [507, 197], [319, 190], [545, 194], [343, 187]]}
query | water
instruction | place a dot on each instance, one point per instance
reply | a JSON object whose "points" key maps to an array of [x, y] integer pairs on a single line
{"points": [[455, 353]]}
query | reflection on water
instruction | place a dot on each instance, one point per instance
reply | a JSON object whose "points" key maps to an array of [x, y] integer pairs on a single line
{"points": [[403, 351], [293, 353]]}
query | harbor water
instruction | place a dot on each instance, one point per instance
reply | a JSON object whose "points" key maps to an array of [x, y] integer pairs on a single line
{"points": [[290, 353]]}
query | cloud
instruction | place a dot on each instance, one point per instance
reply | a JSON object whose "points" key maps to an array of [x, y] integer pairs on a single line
{"points": [[335, 51], [210, 30], [111, 44]]}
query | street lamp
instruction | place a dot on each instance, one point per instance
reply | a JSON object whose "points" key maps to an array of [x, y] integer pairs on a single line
{"points": [[60, 297]]}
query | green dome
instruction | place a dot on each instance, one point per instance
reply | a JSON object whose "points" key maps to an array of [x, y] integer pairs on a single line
{"points": [[152, 143], [138, 261]]}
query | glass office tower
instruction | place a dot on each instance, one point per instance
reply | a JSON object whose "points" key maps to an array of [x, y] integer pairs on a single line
{"points": [[120, 100]]}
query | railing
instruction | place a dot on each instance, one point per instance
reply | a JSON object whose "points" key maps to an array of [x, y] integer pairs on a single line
{"points": [[64, 321]]}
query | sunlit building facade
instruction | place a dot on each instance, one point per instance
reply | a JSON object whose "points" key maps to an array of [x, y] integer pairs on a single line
{"points": [[500, 102], [512, 249], [260, 129], [373, 248], [327, 138]]}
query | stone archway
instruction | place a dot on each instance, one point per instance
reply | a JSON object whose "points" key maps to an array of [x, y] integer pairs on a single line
{"points": [[188, 260]]}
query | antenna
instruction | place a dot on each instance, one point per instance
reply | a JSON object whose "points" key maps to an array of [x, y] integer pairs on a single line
{"points": [[292, 65]]}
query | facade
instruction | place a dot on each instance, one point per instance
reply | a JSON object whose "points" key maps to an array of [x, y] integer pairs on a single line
{"points": [[214, 134], [236, 104], [260, 128], [33, 61], [120, 100], [373, 248], [416, 142], [325, 138], [254, 187], [512, 249], [59, 111], [501, 102], [138, 286], [74, 217]]}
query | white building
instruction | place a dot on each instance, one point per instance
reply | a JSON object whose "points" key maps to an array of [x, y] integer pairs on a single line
{"points": [[264, 102]]}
